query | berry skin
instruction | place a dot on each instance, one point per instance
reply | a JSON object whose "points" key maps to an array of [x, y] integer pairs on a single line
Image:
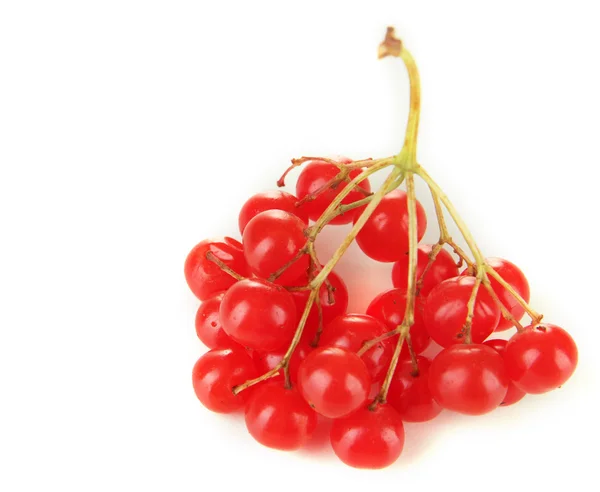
{"points": [[445, 312], [334, 381], [258, 314], [384, 237], [265, 361], [442, 268], [279, 418], [270, 200], [204, 277], [368, 438], [272, 239], [514, 393], [389, 307], [216, 373], [350, 331], [316, 174], [515, 277], [409, 393], [468, 378], [540, 358], [330, 311], [208, 324]]}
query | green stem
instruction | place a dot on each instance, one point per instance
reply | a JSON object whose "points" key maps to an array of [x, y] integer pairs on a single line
{"points": [[375, 200]]}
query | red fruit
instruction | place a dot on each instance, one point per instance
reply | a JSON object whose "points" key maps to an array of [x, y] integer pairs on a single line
{"points": [[445, 312], [442, 268], [334, 381], [204, 277], [279, 418], [270, 200], [271, 240], [513, 394], [329, 310], [540, 358], [384, 236], [368, 438], [350, 331], [318, 173], [258, 314], [516, 278], [265, 361], [468, 378], [208, 324], [390, 307], [409, 392], [216, 373]]}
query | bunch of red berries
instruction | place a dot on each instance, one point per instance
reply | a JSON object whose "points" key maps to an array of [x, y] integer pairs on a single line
{"points": [[283, 347]]}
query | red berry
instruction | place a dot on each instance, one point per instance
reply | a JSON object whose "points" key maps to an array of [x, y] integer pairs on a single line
{"points": [[515, 277], [513, 394], [368, 438], [334, 381], [279, 418], [540, 358], [445, 312], [265, 361], [318, 173], [409, 392], [270, 200], [258, 314], [389, 307], [271, 240], [384, 236], [204, 277], [208, 324], [350, 331], [442, 268], [469, 379], [329, 310], [216, 373]]}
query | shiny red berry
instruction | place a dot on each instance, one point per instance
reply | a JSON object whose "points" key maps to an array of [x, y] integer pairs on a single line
{"points": [[271, 240], [279, 418], [351, 331], [368, 438], [445, 312], [258, 314], [384, 237], [409, 392], [389, 307], [334, 381], [208, 324], [270, 200], [314, 176], [468, 378], [541, 358], [204, 277], [215, 375]]}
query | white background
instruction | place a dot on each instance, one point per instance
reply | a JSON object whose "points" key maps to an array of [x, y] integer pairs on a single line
{"points": [[129, 131]]}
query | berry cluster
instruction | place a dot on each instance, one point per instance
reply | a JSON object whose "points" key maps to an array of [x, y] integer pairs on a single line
{"points": [[284, 348]]}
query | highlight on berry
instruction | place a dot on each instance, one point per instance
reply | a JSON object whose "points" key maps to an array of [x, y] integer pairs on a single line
{"points": [[284, 349]]}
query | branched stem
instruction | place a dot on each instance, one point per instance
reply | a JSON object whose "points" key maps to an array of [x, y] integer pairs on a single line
{"points": [[210, 256], [411, 287], [505, 312], [413, 356], [466, 331], [284, 363], [534, 315], [375, 200]]}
